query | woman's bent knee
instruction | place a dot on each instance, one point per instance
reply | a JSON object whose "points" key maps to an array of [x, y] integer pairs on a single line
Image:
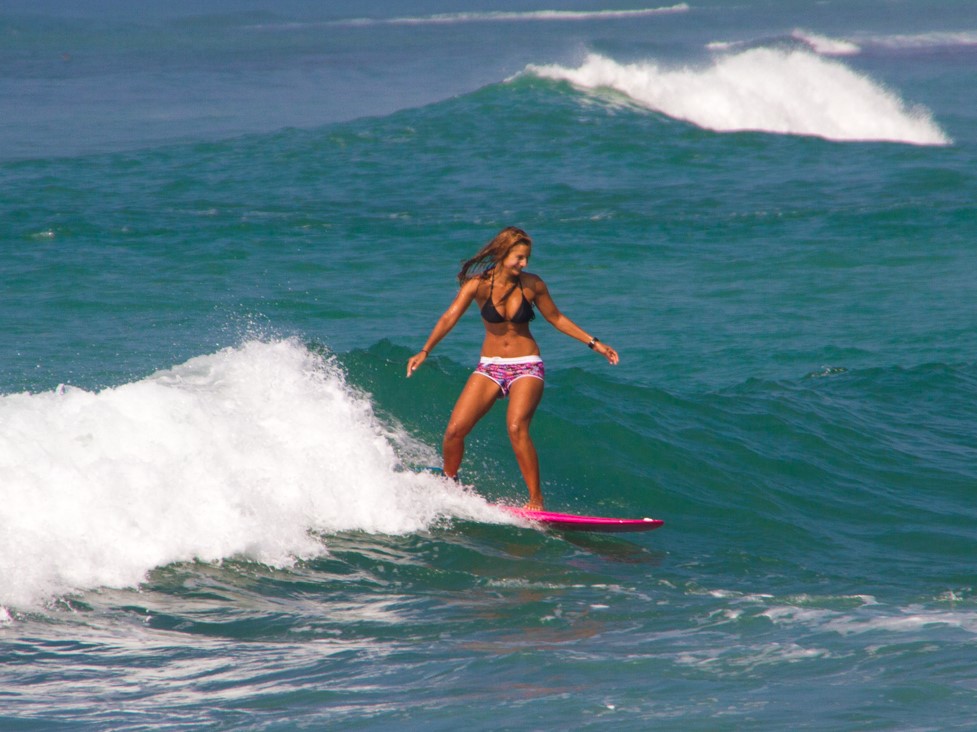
{"points": [[456, 432], [518, 430]]}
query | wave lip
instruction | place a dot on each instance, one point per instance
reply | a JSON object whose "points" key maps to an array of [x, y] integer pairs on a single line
{"points": [[819, 44], [791, 92], [824, 45]]}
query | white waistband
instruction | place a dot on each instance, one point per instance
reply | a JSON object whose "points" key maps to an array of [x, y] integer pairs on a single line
{"points": [[507, 361]]}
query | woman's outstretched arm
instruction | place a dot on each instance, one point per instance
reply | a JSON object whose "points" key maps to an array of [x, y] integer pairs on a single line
{"points": [[445, 323], [546, 306]]}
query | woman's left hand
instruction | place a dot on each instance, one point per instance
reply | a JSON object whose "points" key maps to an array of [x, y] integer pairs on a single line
{"points": [[607, 352]]}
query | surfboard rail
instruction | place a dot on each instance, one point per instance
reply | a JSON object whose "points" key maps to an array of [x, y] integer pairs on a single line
{"points": [[575, 522]]}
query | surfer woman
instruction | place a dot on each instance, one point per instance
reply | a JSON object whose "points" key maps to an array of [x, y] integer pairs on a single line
{"points": [[510, 364]]}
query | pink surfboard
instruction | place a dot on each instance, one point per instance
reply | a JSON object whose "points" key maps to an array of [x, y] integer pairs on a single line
{"points": [[570, 521], [573, 522]]}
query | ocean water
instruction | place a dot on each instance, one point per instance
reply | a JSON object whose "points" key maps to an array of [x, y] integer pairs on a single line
{"points": [[225, 227]]}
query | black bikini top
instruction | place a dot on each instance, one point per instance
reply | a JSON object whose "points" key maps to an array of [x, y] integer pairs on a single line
{"points": [[491, 314]]}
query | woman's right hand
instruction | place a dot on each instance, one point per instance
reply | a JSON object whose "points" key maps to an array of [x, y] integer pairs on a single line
{"points": [[416, 360]]}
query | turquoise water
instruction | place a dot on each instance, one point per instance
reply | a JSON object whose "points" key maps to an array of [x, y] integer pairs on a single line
{"points": [[225, 230]]}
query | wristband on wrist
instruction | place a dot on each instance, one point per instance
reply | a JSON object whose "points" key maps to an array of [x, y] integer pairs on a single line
{"points": [[593, 342]]}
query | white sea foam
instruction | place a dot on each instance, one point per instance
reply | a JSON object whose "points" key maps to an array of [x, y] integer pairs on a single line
{"points": [[763, 89], [906, 620], [251, 451], [964, 39], [875, 618], [735, 658], [510, 16]]}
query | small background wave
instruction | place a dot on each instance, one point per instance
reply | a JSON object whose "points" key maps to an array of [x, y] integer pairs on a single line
{"points": [[501, 16], [763, 89]]}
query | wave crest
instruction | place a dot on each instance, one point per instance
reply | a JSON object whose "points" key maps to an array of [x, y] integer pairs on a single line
{"points": [[790, 92], [251, 452]]}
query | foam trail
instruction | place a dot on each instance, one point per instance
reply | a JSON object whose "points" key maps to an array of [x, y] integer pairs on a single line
{"points": [[769, 90], [242, 452]]}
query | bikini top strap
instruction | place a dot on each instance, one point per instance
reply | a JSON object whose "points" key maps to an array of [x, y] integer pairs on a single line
{"points": [[501, 301]]}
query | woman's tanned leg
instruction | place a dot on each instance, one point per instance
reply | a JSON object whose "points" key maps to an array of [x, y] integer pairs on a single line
{"points": [[524, 396], [474, 402]]}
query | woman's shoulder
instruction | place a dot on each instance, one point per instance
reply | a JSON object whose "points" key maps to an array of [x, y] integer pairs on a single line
{"points": [[472, 284], [531, 281]]}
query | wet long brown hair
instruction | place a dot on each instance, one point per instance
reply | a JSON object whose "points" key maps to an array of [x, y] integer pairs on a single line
{"points": [[493, 253]]}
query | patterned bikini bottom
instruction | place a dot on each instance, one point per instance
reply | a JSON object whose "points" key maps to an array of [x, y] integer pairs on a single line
{"points": [[505, 371]]}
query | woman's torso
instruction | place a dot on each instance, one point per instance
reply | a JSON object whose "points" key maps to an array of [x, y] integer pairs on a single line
{"points": [[506, 311]]}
